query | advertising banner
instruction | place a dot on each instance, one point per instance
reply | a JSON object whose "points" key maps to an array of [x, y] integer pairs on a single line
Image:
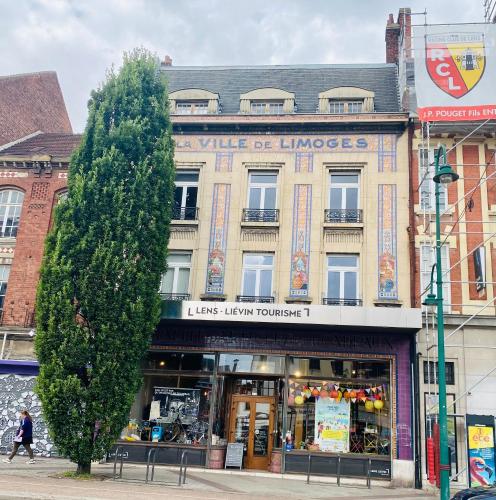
{"points": [[177, 403], [455, 72], [481, 460], [332, 425]]}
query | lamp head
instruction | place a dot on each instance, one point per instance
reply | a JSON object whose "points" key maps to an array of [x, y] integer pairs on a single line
{"points": [[430, 300], [446, 175]]}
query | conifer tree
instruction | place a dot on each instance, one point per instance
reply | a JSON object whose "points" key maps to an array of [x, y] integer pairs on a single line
{"points": [[97, 299]]}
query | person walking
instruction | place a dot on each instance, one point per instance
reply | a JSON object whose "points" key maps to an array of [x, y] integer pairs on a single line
{"points": [[24, 436]]}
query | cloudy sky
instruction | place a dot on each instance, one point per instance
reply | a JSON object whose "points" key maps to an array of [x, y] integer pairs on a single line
{"points": [[81, 38]]}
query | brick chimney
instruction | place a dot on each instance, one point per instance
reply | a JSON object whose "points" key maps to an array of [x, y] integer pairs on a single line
{"points": [[167, 60], [392, 40]]}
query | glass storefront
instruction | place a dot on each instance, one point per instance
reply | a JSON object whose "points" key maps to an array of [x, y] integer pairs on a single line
{"points": [[266, 402]]}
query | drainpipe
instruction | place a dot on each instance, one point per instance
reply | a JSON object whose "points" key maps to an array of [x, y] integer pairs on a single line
{"points": [[411, 216]]}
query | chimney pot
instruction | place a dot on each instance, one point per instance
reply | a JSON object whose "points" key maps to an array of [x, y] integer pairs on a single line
{"points": [[391, 19], [167, 60]]}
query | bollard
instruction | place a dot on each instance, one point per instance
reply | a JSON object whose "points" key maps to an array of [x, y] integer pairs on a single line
{"points": [[369, 464], [309, 469], [339, 470]]}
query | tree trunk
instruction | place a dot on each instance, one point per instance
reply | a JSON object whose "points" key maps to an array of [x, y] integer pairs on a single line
{"points": [[84, 468]]}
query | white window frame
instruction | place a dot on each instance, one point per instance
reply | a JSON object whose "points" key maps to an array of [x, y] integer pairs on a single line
{"points": [[4, 280], [11, 207], [258, 268], [187, 184], [344, 186], [426, 268], [342, 270], [191, 107], [262, 186], [274, 107], [344, 107], [427, 187], [175, 266]]}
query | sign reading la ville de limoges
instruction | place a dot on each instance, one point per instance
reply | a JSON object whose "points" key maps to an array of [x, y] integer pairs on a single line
{"points": [[280, 143]]}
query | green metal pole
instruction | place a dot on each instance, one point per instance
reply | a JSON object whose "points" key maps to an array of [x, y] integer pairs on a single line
{"points": [[443, 414]]}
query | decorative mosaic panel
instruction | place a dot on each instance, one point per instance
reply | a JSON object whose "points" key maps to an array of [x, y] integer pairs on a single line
{"points": [[223, 162], [388, 271], [13, 174], [304, 162], [386, 153], [16, 394], [218, 239], [300, 252]]}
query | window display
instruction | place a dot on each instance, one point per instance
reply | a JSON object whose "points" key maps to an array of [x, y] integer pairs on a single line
{"points": [[347, 412]]}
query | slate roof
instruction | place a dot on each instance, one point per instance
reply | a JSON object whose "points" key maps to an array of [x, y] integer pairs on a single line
{"points": [[306, 81], [56, 145], [29, 103]]}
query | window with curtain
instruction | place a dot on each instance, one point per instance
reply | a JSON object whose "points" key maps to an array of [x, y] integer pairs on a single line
{"points": [[10, 212], [176, 278]]}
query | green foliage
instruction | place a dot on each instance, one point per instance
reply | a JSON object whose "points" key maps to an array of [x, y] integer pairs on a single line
{"points": [[97, 301]]}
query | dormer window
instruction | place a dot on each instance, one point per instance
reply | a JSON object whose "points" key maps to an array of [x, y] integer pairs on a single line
{"points": [[267, 101], [267, 107], [193, 102], [337, 107], [191, 107], [346, 100]]}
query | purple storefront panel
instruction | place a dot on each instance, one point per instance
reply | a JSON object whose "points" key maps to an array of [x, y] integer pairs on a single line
{"points": [[286, 340], [19, 367]]}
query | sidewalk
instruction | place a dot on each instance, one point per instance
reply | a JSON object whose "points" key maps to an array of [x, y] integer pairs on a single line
{"points": [[42, 481]]}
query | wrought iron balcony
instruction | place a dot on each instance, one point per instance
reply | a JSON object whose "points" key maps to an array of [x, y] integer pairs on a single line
{"points": [[343, 215], [175, 297], [260, 215], [332, 301], [253, 298], [184, 213]]}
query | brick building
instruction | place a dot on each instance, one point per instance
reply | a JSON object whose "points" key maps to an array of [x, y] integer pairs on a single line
{"points": [[468, 233]]}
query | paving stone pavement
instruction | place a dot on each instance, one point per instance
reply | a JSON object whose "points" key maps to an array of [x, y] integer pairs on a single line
{"points": [[42, 481]]}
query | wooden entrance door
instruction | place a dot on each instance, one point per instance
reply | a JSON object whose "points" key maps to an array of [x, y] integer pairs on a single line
{"points": [[252, 423]]}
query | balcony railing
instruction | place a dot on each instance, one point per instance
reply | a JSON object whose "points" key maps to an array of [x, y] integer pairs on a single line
{"points": [[176, 297], [331, 301], [185, 213], [252, 298], [260, 215], [343, 215]]}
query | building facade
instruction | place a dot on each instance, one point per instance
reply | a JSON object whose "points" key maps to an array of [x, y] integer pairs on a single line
{"points": [[468, 260]]}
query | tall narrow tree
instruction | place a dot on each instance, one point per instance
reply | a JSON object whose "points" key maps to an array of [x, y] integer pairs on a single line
{"points": [[97, 302]]}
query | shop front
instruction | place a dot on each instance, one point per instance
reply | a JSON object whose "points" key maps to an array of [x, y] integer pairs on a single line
{"points": [[284, 388]]}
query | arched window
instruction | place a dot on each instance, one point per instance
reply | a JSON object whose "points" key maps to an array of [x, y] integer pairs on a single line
{"points": [[10, 212]]}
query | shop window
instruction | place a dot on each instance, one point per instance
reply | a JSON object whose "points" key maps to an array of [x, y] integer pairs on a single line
{"points": [[350, 413], [344, 198], [10, 212], [427, 260], [257, 275], [4, 279], [255, 387], [175, 281], [251, 363], [262, 197], [175, 361], [342, 280], [185, 195], [427, 187], [431, 372]]}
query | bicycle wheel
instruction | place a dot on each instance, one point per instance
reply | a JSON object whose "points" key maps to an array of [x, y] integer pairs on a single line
{"points": [[172, 432]]}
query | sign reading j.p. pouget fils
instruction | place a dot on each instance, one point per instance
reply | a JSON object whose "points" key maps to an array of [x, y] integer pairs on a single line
{"points": [[301, 314]]}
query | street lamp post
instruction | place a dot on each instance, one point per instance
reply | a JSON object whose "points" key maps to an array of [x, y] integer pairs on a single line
{"points": [[443, 174]]}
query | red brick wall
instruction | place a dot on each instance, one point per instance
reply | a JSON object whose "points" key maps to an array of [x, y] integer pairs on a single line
{"points": [[40, 193]]}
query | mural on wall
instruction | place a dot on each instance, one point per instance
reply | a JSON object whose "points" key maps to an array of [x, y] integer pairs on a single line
{"points": [[387, 264], [386, 153], [218, 239], [304, 162], [16, 394], [223, 162], [300, 252]]}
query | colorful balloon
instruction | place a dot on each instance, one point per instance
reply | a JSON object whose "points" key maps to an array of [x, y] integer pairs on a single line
{"points": [[378, 404], [369, 406], [299, 400]]}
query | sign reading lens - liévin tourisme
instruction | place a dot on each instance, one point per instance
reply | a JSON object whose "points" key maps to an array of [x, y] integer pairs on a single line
{"points": [[300, 314]]}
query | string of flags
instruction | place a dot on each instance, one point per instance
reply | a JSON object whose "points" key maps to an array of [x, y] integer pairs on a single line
{"points": [[373, 397]]}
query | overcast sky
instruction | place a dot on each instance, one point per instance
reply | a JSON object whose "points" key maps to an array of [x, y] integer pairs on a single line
{"points": [[79, 39]]}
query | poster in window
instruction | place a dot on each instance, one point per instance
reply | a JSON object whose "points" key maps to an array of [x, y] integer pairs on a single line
{"points": [[481, 451], [177, 403], [332, 425]]}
